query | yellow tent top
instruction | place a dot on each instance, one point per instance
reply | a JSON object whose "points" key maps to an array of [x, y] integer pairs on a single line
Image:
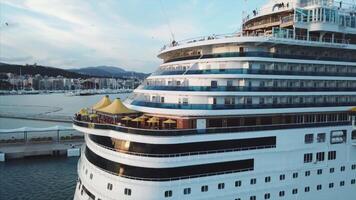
{"points": [[83, 111], [153, 120], [105, 101], [93, 115], [353, 109], [143, 117], [126, 118], [116, 108], [137, 119], [169, 121]]}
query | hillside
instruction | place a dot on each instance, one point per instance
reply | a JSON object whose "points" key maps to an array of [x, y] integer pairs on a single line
{"points": [[108, 71], [36, 69]]}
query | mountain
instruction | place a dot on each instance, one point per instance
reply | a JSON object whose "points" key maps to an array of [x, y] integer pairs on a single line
{"points": [[37, 69], [108, 71]]}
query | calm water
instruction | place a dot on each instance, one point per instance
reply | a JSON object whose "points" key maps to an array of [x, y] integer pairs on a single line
{"points": [[45, 177], [38, 178]]}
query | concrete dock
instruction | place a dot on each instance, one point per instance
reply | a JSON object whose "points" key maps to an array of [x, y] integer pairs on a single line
{"points": [[22, 150]]}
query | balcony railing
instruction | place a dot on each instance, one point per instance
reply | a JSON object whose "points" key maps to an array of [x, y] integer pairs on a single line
{"points": [[247, 89], [252, 71], [187, 153], [264, 55], [219, 130], [236, 106], [239, 35], [101, 170]]}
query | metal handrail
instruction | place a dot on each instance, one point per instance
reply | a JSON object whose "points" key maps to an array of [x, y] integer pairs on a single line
{"points": [[169, 179], [177, 132], [186, 153]]}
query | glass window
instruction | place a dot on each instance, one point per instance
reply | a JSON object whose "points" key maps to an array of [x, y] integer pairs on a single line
{"points": [[221, 186], [308, 157], [168, 193], [186, 191], [282, 177], [307, 173], [109, 186], [307, 189], [321, 137], [295, 175], [295, 191], [127, 191], [308, 138], [267, 179], [238, 183], [267, 196], [253, 181], [281, 193], [214, 84], [320, 156], [320, 171], [331, 185], [331, 155], [204, 188], [353, 135]]}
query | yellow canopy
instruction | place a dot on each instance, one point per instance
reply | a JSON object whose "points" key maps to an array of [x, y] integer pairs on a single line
{"points": [[143, 117], [137, 119], [127, 118], [105, 101], [116, 108], [353, 109], [83, 111], [153, 120], [169, 121], [93, 115]]}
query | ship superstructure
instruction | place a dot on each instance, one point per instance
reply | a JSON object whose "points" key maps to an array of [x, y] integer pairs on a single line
{"points": [[267, 113]]}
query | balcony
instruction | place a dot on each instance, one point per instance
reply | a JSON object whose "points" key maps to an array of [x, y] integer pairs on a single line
{"points": [[246, 89], [236, 106], [264, 55], [252, 71], [180, 132]]}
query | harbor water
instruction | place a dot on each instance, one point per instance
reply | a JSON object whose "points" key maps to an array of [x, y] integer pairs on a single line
{"points": [[41, 177]]}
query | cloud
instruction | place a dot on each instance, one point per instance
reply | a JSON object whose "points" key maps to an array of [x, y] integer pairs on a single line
{"points": [[15, 59], [77, 33]]}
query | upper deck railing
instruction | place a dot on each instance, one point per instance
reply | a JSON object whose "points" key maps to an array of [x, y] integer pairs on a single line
{"points": [[181, 132], [343, 5], [269, 36], [199, 39]]}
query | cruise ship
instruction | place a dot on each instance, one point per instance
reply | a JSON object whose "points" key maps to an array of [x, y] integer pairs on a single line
{"points": [[265, 113]]}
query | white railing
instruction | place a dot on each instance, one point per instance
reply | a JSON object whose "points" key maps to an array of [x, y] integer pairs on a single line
{"points": [[267, 36], [199, 39]]}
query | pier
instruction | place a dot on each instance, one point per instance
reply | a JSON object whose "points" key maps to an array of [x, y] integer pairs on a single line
{"points": [[27, 141]]}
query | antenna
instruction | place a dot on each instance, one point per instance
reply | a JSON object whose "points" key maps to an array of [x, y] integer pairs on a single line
{"points": [[166, 17]]}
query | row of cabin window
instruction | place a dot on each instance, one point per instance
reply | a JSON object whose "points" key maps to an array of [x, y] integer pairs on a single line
{"points": [[309, 138], [335, 137], [295, 190], [238, 183], [253, 181], [260, 83], [109, 186], [320, 156]]}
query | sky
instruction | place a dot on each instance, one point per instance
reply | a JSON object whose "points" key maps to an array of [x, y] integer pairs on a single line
{"points": [[123, 33]]}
